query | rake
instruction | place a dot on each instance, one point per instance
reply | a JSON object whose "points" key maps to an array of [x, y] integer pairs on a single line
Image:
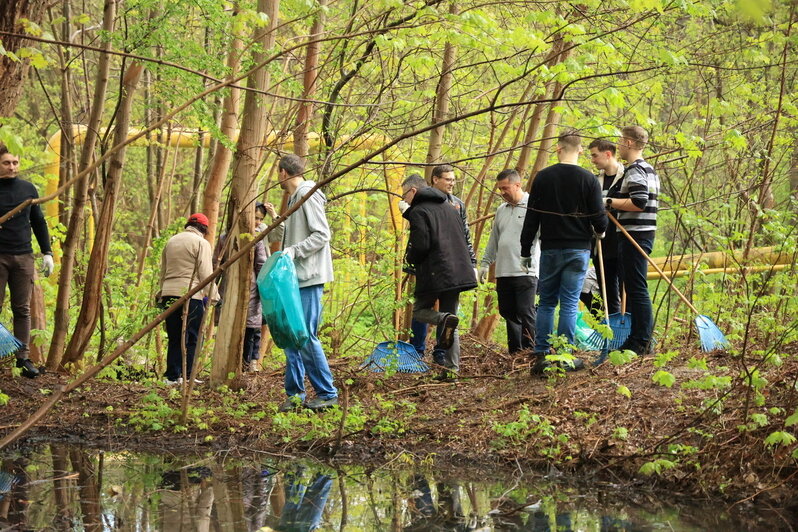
{"points": [[399, 355], [605, 348], [709, 334], [8, 342], [621, 325]]}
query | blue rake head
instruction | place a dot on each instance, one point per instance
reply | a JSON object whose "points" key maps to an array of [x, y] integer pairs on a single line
{"points": [[710, 336], [621, 325], [399, 355], [8, 342]]}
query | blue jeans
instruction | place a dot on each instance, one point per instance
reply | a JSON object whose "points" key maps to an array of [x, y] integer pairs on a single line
{"points": [[562, 273], [310, 359], [634, 269], [418, 336]]}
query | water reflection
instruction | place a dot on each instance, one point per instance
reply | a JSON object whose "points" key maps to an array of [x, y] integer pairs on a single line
{"points": [[68, 488]]}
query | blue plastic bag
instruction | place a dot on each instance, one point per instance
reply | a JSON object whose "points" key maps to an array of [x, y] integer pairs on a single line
{"points": [[282, 306]]}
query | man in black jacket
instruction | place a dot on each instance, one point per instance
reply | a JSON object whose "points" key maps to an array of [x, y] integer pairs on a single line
{"points": [[565, 202], [16, 252], [438, 250]]}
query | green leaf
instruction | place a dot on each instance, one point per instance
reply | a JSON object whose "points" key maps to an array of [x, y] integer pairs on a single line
{"points": [[623, 390], [664, 378], [779, 438], [792, 420], [619, 358]]}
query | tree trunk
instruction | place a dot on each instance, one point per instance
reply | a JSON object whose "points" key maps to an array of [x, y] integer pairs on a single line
{"points": [[220, 164], [441, 112], [77, 217], [227, 355], [311, 73], [550, 129], [14, 73], [98, 261]]}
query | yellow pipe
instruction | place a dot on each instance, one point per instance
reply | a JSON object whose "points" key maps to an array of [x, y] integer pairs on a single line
{"points": [[721, 259], [712, 271]]}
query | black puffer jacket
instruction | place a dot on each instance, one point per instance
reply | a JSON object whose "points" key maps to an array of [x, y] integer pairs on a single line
{"points": [[437, 246]]}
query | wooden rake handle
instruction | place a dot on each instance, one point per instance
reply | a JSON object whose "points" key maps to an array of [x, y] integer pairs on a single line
{"points": [[603, 280], [653, 264]]}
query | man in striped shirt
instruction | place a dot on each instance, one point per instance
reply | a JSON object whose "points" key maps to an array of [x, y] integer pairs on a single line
{"points": [[635, 199]]}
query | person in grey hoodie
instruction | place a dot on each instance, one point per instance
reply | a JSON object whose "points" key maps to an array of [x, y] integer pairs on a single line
{"points": [[515, 286], [307, 242]]}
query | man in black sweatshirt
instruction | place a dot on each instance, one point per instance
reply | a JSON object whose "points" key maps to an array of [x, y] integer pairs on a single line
{"points": [[565, 205], [16, 252]]}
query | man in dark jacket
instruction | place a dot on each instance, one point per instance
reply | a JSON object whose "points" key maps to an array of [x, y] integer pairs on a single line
{"points": [[438, 250], [16, 252], [443, 179], [565, 202]]}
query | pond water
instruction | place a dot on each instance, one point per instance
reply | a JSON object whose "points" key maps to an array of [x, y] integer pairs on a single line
{"points": [[58, 487]]}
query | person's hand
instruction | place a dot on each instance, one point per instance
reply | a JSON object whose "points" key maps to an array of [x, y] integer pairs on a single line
{"points": [[270, 209], [482, 275], [403, 206], [47, 265], [526, 264], [602, 235], [289, 252]]}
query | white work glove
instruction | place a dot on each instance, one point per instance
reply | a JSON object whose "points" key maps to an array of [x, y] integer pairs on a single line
{"points": [[47, 265], [482, 275], [526, 264], [289, 252], [403, 206], [602, 235]]}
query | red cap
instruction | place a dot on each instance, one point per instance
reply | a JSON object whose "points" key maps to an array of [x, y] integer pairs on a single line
{"points": [[198, 218]]}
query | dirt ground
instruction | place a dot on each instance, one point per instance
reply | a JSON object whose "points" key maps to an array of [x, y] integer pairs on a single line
{"points": [[585, 425]]}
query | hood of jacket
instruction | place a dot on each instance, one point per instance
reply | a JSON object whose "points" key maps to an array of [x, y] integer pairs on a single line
{"points": [[426, 195], [303, 189]]}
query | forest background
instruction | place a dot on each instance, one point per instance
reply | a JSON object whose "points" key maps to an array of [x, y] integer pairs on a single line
{"points": [[156, 109]]}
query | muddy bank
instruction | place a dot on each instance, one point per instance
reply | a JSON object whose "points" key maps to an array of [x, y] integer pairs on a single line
{"points": [[704, 433]]}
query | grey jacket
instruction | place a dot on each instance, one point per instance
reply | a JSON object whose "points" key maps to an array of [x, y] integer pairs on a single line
{"points": [[504, 246], [308, 235]]}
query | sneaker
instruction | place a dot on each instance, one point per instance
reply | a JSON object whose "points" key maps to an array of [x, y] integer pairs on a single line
{"points": [[317, 404], [448, 326], [292, 403], [170, 382], [541, 364], [28, 369]]}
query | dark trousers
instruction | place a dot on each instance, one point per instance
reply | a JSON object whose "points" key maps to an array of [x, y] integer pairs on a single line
{"points": [[174, 330], [423, 311], [634, 269], [16, 271], [516, 296], [612, 277], [251, 344]]}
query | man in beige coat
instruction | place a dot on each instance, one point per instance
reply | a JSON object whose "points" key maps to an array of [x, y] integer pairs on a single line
{"points": [[186, 260]]}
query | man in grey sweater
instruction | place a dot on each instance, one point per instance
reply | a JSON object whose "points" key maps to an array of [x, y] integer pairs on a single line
{"points": [[515, 286], [307, 242]]}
